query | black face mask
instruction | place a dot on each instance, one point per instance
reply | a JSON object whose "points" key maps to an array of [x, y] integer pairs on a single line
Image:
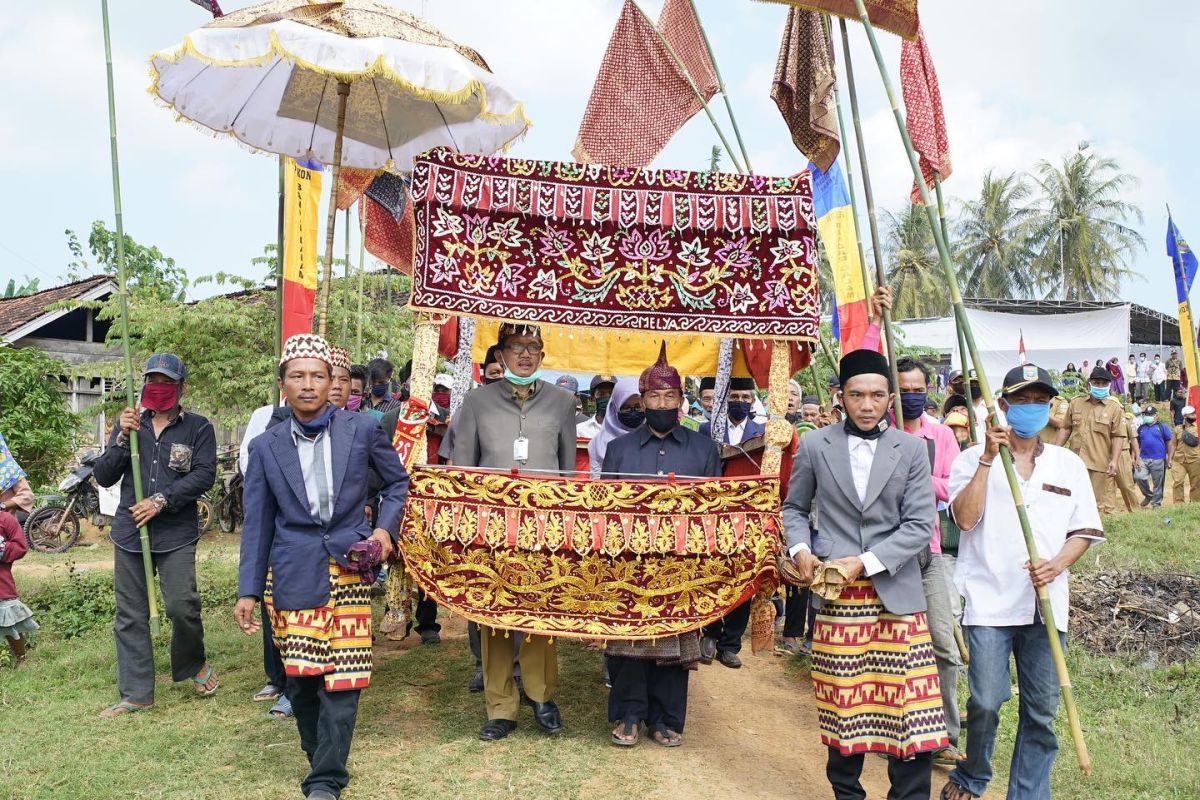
{"points": [[662, 420], [874, 433], [738, 411], [631, 417], [792, 417]]}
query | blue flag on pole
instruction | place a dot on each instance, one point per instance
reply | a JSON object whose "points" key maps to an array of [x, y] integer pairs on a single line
{"points": [[835, 325], [1184, 260]]}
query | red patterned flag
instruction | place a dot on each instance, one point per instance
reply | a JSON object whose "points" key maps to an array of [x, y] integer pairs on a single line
{"points": [[210, 6], [803, 88], [352, 183], [390, 222], [641, 96], [897, 16], [923, 107]]}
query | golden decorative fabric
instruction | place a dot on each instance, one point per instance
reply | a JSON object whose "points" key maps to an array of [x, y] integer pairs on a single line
{"points": [[897, 16], [590, 559]]}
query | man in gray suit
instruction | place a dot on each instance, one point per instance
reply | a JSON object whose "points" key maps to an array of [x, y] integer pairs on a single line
{"points": [[877, 515]]}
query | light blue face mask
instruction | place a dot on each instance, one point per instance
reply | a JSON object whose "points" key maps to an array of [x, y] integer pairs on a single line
{"points": [[1098, 393], [1028, 419], [517, 380]]}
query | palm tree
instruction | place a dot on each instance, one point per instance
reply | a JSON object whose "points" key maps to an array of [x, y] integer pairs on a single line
{"points": [[1081, 238], [995, 252], [914, 272]]}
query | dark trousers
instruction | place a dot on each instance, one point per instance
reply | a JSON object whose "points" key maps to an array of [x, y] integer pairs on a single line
{"points": [[729, 631], [799, 615], [426, 614], [131, 629], [643, 691], [326, 724], [272, 661], [910, 780]]}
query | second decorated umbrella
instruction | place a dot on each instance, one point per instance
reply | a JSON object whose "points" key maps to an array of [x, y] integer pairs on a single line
{"points": [[355, 83]]}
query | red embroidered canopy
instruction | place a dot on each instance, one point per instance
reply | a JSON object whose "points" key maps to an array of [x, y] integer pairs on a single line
{"points": [[608, 247]]}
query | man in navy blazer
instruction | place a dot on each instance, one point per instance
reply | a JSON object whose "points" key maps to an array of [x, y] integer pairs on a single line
{"points": [[741, 426], [305, 496]]}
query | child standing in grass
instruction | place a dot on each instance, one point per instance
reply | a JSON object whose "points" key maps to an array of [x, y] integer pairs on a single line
{"points": [[16, 620]]}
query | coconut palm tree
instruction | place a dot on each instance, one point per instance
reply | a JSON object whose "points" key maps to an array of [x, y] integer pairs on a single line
{"points": [[913, 272], [994, 249], [1081, 238]]}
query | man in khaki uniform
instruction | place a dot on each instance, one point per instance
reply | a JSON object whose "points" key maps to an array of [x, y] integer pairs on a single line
{"points": [[1058, 419], [1096, 427], [1124, 490], [1187, 458]]}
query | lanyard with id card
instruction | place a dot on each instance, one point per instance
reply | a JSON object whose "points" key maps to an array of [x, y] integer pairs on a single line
{"points": [[521, 449]]}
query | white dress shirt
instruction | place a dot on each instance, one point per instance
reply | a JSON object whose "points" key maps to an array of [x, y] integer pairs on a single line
{"points": [[734, 433], [255, 427], [304, 451], [990, 573], [588, 429]]}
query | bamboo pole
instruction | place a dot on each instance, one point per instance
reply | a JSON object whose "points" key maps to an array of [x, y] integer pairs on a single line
{"points": [[123, 297], [346, 287], [278, 285], [862, 254], [362, 247], [962, 342], [869, 195], [343, 90], [712, 57], [1043, 596], [695, 89], [822, 395]]}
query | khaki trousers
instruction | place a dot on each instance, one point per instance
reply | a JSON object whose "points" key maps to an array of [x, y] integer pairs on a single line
{"points": [[1100, 483], [1190, 473], [539, 671], [1124, 492]]}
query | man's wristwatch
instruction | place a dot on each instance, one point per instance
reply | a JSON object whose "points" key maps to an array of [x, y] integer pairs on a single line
{"points": [[3, 506]]}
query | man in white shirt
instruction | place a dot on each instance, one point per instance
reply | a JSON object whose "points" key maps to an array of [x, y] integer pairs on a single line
{"points": [[601, 390], [1142, 371], [999, 585]]}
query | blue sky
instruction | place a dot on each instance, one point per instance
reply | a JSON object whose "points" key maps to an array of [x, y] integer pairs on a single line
{"points": [[1022, 81]]}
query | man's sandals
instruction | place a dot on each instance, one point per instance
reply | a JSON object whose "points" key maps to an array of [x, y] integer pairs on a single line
{"points": [[952, 791], [627, 734], [948, 756], [667, 737], [124, 707], [206, 683]]}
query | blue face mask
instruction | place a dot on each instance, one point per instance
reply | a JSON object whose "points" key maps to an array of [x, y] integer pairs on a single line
{"points": [[1028, 419], [517, 380], [1098, 393]]}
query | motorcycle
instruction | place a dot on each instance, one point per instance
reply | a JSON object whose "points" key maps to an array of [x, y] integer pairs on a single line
{"points": [[53, 527]]}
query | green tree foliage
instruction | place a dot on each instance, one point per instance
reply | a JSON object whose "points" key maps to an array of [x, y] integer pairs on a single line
{"points": [[914, 272], [13, 289], [34, 416], [995, 251], [1081, 237], [149, 273]]}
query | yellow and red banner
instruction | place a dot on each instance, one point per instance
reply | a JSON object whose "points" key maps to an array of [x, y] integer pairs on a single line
{"points": [[301, 199], [835, 225]]}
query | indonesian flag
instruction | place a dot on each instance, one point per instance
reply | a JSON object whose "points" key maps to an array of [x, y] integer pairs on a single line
{"points": [[1021, 346], [641, 97], [301, 198], [925, 118]]}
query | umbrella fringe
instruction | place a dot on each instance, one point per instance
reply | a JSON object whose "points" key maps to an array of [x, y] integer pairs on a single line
{"points": [[378, 69]]}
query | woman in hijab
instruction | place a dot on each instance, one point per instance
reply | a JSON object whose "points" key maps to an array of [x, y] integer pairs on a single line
{"points": [[1118, 375], [623, 415]]}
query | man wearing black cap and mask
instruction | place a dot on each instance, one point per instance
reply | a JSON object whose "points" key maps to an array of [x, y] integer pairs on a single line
{"points": [[873, 668], [708, 393], [1095, 424], [741, 427]]}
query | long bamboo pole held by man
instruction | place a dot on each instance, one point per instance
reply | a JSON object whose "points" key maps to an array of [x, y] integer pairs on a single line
{"points": [[962, 342], [876, 249], [278, 283], [1043, 596], [123, 300]]}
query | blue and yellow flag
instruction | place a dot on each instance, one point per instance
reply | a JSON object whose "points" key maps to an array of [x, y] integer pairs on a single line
{"points": [[1184, 263]]}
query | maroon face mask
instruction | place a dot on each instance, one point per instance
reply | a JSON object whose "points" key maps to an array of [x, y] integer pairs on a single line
{"points": [[160, 396]]}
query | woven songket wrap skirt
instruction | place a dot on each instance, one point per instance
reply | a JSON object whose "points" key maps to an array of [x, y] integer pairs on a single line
{"points": [[875, 678], [333, 640]]}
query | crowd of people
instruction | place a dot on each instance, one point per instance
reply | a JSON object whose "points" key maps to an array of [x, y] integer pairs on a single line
{"points": [[890, 514]]}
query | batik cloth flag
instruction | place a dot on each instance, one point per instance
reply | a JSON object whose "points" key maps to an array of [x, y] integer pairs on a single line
{"points": [[590, 559], [1185, 263], [836, 225], [641, 96], [352, 183], [10, 470], [301, 198], [389, 235], [924, 116], [608, 247], [210, 6], [803, 88], [897, 16]]}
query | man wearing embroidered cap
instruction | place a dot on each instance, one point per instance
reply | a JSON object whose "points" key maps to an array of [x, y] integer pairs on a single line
{"points": [[178, 463], [650, 677], [873, 668], [309, 554], [1096, 428], [998, 583], [520, 422]]}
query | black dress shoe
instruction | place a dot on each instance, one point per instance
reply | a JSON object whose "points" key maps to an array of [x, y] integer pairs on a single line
{"points": [[547, 715], [496, 729], [729, 659], [708, 649], [476, 682], [430, 637]]}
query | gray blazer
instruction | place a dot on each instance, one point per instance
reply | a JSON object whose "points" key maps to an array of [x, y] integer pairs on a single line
{"points": [[491, 418], [895, 523]]}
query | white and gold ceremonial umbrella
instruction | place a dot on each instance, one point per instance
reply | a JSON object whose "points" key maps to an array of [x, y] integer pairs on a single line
{"points": [[352, 83]]}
